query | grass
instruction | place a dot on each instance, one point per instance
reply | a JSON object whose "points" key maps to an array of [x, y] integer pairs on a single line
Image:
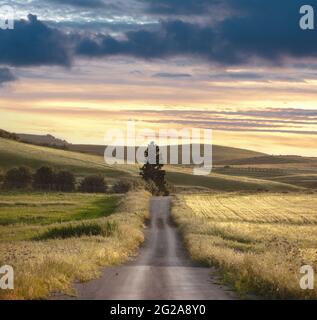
{"points": [[221, 182], [258, 241], [37, 208], [14, 154], [303, 180], [49, 258], [106, 229]]}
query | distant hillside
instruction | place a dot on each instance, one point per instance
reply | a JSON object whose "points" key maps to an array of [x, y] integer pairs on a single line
{"points": [[43, 140], [13, 153], [270, 160], [228, 183], [220, 154], [8, 135]]}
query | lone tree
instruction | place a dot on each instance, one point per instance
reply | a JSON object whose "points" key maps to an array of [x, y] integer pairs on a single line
{"points": [[152, 171]]}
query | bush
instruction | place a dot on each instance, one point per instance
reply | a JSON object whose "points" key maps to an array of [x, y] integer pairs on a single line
{"points": [[17, 178], [122, 186], [80, 230], [85, 229], [93, 184], [65, 181], [44, 179]]}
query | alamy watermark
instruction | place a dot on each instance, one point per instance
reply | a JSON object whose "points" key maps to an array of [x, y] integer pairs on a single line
{"points": [[307, 280], [307, 19], [183, 146], [6, 278], [6, 17]]}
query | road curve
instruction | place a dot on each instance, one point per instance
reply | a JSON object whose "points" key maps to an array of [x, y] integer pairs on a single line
{"points": [[162, 270]]}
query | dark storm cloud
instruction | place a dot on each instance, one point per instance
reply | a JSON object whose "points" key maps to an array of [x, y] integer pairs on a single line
{"points": [[256, 29], [173, 38], [6, 75], [34, 43], [268, 30], [81, 3]]}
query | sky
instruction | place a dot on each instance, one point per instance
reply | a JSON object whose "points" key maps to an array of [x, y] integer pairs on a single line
{"points": [[243, 68]]}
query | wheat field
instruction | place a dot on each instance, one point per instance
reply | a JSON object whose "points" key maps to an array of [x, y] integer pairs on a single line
{"points": [[258, 241]]}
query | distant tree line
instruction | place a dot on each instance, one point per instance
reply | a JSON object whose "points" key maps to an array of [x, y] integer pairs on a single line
{"points": [[48, 179], [8, 135], [48, 145]]}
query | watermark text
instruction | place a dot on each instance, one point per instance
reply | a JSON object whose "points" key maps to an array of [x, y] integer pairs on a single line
{"points": [[177, 147], [6, 278], [6, 18]]}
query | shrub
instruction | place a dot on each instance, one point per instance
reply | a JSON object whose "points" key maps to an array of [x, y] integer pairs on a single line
{"points": [[44, 179], [85, 229], [18, 178], [65, 181], [122, 186], [93, 184]]}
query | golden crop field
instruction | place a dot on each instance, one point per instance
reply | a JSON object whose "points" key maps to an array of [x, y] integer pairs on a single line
{"points": [[258, 241]]}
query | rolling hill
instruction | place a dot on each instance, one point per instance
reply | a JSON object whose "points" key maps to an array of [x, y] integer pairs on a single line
{"points": [[13, 153], [221, 182], [221, 154], [274, 160], [47, 140]]}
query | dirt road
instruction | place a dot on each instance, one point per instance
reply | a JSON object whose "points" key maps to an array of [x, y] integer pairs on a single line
{"points": [[162, 269]]}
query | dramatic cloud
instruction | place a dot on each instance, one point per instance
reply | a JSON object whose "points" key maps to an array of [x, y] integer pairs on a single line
{"points": [[173, 38], [82, 3], [6, 75], [34, 43], [255, 30], [292, 121], [267, 31]]}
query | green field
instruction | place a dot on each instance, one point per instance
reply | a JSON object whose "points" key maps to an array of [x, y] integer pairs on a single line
{"points": [[52, 240], [49, 208], [258, 241]]}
